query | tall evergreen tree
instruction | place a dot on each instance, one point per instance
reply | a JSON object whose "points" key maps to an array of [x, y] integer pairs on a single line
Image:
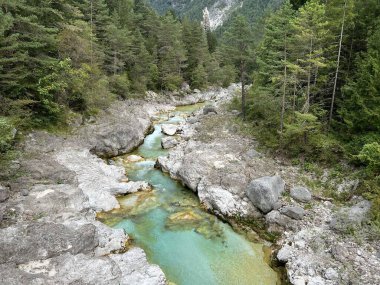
{"points": [[171, 53], [310, 35], [237, 47], [361, 106], [273, 55], [194, 39]]}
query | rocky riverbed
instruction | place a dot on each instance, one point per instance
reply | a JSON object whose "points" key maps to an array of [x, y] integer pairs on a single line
{"points": [[49, 233], [235, 181]]}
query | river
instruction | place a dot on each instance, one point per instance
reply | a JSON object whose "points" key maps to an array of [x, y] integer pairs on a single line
{"points": [[191, 246]]}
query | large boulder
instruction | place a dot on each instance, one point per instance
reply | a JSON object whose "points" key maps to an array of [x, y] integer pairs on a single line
{"points": [[300, 194], [265, 191], [168, 142], [169, 129], [120, 130], [209, 109]]}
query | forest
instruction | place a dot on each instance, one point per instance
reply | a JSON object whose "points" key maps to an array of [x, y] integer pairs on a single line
{"points": [[313, 68]]}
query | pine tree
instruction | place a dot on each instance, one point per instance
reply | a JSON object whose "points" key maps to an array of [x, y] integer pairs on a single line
{"points": [[273, 55], [360, 109], [27, 49], [237, 46], [196, 52], [310, 35], [171, 53]]}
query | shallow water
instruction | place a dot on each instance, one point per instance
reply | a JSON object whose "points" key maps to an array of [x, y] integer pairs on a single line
{"points": [[191, 246]]}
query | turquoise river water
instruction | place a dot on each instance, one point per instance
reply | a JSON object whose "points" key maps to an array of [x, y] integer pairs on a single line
{"points": [[191, 246]]}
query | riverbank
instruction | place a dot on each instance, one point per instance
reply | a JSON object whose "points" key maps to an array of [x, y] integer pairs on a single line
{"points": [[311, 234], [190, 245], [49, 233]]}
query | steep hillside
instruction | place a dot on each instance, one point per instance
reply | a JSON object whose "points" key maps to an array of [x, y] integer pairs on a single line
{"points": [[219, 10]]}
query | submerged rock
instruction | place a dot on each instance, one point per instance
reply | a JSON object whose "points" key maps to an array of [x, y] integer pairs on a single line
{"points": [[300, 194], [188, 215], [265, 191], [134, 158], [169, 129]]}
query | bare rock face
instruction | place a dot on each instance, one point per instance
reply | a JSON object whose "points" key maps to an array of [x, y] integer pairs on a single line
{"points": [[119, 130], [130, 268], [136, 269], [265, 191], [35, 241]]}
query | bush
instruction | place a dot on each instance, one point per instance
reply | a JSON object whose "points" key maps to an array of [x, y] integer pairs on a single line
{"points": [[7, 134], [370, 156], [120, 85]]}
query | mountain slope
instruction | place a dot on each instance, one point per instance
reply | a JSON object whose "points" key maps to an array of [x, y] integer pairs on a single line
{"points": [[220, 10]]}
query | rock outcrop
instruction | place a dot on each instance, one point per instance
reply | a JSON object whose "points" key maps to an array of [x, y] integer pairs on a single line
{"points": [[49, 233]]}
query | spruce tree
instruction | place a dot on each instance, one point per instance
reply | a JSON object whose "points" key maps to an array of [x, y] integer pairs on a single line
{"points": [[171, 53], [237, 49]]}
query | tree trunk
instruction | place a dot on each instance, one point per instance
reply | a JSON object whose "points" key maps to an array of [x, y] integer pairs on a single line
{"points": [[284, 89], [243, 99], [337, 65], [294, 95], [307, 103], [91, 24], [114, 63]]}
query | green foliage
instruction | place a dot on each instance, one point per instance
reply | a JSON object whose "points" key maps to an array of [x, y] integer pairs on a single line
{"points": [[120, 84], [7, 134], [361, 108], [79, 56], [370, 156], [199, 77]]}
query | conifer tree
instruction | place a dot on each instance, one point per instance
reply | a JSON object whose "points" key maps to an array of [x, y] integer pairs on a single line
{"points": [[196, 52], [273, 55], [237, 47], [310, 35], [171, 53], [361, 107]]}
